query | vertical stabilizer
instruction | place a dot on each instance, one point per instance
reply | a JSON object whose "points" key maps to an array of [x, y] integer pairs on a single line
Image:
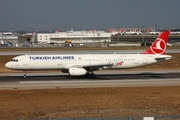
{"points": [[159, 45]]}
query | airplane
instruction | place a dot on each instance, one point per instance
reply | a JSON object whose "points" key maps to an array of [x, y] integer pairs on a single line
{"points": [[86, 64]]}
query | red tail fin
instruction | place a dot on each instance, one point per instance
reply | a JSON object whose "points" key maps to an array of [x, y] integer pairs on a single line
{"points": [[159, 45]]}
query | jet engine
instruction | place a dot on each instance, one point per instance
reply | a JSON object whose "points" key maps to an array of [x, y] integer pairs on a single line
{"points": [[77, 71]]}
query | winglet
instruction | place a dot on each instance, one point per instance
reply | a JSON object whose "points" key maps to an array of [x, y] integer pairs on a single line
{"points": [[159, 45]]}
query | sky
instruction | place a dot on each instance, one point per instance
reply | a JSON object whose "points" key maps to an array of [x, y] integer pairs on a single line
{"points": [[88, 14]]}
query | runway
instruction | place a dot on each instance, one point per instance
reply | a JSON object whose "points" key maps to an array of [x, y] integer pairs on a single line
{"points": [[54, 80]]}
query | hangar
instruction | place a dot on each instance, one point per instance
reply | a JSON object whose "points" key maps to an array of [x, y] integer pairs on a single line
{"points": [[73, 37]]}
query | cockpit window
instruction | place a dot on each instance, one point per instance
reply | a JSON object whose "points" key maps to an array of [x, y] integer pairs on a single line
{"points": [[14, 60]]}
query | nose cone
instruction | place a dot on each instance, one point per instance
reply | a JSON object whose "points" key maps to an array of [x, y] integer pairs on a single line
{"points": [[7, 65]]}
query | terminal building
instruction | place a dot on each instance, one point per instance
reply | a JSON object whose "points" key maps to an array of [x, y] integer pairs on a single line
{"points": [[73, 37]]}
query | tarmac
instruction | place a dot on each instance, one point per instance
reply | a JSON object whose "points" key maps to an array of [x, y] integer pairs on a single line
{"points": [[118, 78]]}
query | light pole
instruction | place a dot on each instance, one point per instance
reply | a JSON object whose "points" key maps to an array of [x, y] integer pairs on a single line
{"points": [[118, 33], [155, 27], [86, 36], [142, 33]]}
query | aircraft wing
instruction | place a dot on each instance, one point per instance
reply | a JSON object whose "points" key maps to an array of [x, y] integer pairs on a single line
{"points": [[94, 66]]}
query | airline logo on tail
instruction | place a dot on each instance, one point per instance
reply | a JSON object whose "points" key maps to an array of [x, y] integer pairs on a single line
{"points": [[159, 46]]}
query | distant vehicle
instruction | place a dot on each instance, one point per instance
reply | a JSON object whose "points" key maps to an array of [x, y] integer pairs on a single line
{"points": [[52, 43], [8, 44], [1, 43], [68, 41], [68, 45], [25, 45], [86, 64], [81, 44], [39, 43], [55, 44]]}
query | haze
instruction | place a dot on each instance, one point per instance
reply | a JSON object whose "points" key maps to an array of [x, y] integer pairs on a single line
{"points": [[88, 14]]}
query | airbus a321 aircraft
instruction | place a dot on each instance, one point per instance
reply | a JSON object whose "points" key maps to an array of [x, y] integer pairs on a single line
{"points": [[85, 64]]}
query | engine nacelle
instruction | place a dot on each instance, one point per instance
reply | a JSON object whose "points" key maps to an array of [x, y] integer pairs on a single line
{"points": [[77, 71]]}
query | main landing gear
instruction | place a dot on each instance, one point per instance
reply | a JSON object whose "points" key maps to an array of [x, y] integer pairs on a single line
{"points": [[91, 75]]}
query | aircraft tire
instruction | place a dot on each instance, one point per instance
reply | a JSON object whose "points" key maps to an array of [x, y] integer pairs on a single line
{"points": [[92, 75]]}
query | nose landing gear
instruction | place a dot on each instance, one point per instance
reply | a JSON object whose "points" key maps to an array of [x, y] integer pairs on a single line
{"points": [[24, 74]]}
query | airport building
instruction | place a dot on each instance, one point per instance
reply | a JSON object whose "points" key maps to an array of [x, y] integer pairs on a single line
{"points": [[73, 37], [8, 40]]}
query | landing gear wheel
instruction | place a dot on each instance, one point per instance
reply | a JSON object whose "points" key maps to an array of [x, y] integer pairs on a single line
{"points": [[24, 75], [92, 75]]}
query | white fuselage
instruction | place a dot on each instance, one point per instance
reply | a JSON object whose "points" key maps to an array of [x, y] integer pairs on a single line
{"points": [[60, 62]]}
